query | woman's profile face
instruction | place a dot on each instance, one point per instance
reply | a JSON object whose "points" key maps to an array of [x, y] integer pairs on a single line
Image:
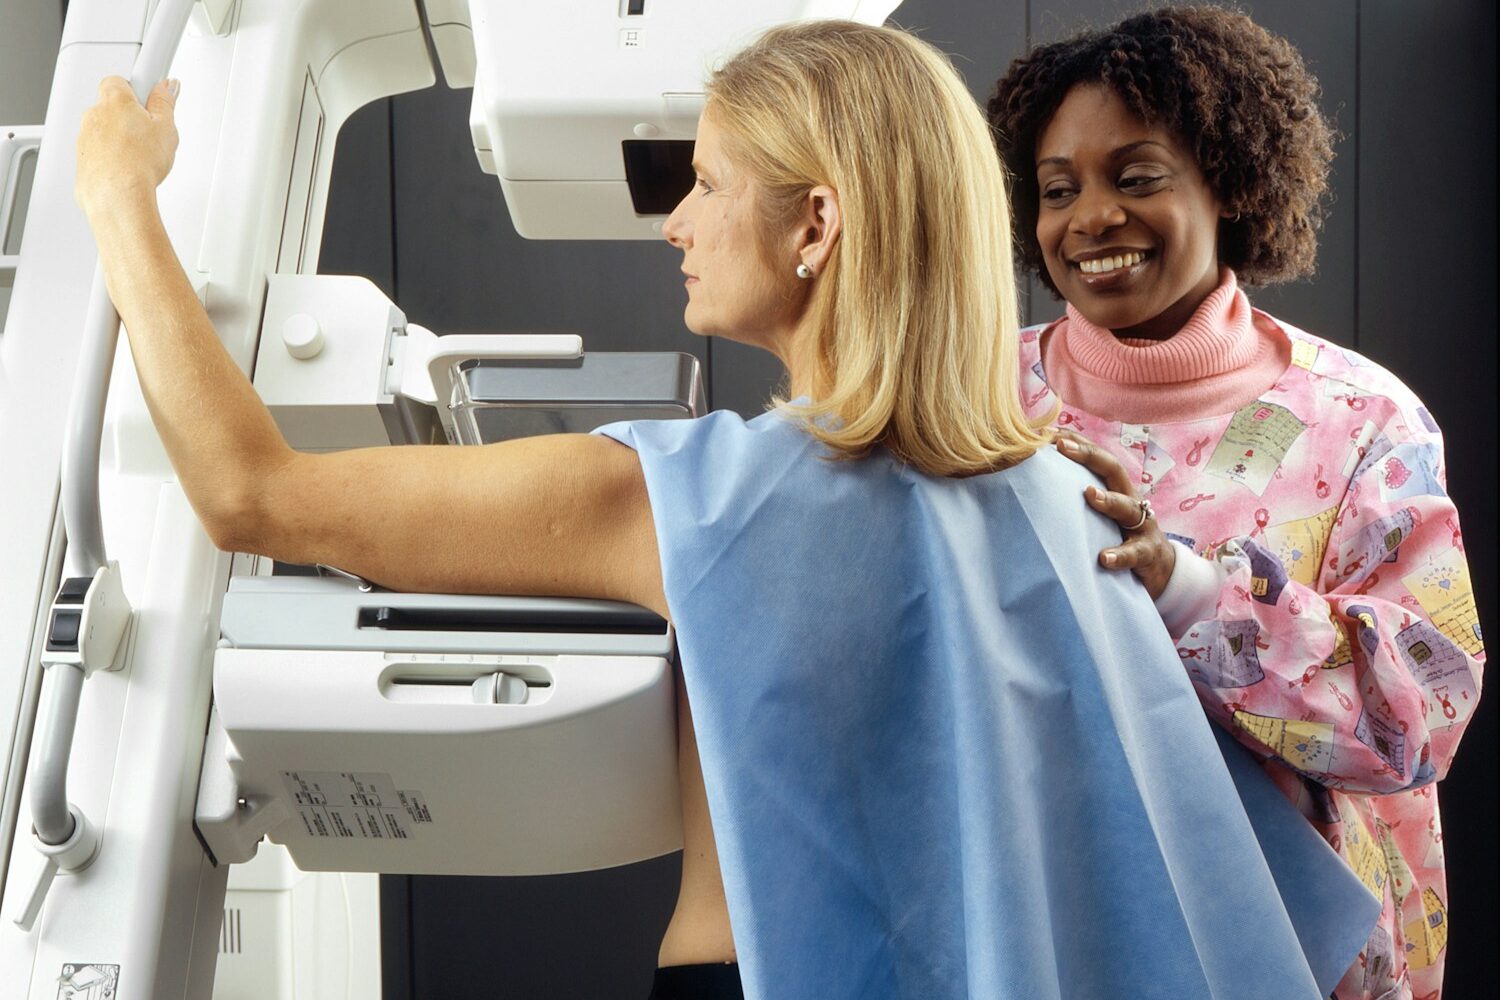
{"points": [[733, 291], [1127, 224]]}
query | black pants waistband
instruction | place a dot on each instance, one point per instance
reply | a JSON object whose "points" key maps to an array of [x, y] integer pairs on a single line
{"points": [[719, 981]]}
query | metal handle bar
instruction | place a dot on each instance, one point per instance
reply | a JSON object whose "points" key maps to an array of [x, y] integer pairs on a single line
{"points": [[51, 818]]}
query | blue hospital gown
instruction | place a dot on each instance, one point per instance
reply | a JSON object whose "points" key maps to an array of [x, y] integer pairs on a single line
{"points": [[948, 756]]}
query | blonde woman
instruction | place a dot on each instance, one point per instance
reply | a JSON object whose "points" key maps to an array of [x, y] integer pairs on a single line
{"points": [[937, 751]]}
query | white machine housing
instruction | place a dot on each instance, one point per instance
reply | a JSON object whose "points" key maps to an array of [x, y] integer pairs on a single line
{"points": [[432, 734], [551, 129]]}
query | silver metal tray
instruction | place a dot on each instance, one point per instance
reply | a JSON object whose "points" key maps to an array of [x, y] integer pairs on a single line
{"points": [[503, 400]]}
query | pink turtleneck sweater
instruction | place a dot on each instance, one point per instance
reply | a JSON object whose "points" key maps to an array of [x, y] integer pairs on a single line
{"points": [[1226, 356]]}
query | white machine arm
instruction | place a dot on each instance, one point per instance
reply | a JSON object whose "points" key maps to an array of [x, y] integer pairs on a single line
{"points": [[340, 366]]}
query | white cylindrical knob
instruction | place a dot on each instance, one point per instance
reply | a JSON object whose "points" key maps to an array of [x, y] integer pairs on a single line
{"points": [[302, 336], [498, 689], [645, 130]]}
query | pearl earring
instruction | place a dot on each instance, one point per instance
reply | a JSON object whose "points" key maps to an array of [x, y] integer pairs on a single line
{"points": [[804, 272]]}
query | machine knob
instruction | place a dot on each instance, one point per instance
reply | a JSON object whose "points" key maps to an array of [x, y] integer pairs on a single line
{"points": [[302, 336], [498, 689]]}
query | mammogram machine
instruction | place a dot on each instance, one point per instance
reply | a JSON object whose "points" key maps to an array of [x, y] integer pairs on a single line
{"points": [[168, 710]]}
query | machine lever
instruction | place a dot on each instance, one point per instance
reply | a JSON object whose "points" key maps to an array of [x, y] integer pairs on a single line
{"points": [[73, 854]]}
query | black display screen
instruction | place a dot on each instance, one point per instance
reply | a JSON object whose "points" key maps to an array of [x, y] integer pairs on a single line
{"points": [[659, 173]]}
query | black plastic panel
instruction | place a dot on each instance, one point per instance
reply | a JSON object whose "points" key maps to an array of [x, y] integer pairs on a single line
{"points": [[659, 172], [624, 622]]}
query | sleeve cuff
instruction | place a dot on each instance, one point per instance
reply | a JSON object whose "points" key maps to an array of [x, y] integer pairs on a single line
{"points": [[1192, 594]]}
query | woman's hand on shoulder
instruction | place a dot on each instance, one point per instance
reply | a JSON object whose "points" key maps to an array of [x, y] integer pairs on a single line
{"points": [[125, 148], [1146, 550]]}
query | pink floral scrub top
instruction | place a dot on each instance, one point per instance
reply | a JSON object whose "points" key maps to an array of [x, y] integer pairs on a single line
{"points": [[1345, 648]]}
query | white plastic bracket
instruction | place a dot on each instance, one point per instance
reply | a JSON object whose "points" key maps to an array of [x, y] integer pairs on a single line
{"points": [[211, 17], [232, 824], [89, 618], [15, 141], [425, 367], [429, 364]]}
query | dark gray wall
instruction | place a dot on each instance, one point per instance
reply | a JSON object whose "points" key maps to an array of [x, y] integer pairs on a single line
{"points": [[1406, 276], [30, 31]]}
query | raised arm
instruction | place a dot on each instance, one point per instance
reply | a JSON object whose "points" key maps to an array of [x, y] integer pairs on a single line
{"points": [[566, 515]]}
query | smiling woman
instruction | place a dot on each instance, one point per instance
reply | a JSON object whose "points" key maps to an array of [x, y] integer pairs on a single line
{"points": [[1307, 560], [1128, 226]]}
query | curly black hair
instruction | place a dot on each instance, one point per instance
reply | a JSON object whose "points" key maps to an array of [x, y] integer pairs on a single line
{"points": [[1237, 96]]}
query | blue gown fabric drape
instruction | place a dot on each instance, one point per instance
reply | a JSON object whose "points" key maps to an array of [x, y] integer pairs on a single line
{"points": [[946, 755]]}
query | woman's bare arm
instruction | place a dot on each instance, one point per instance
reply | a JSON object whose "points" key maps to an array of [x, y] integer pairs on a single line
{"points": [[566, 515]]}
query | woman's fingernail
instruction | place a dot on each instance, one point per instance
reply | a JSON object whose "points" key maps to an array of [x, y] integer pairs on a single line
{"points": [[174, 87], [1066, 445], [1109, 558]]}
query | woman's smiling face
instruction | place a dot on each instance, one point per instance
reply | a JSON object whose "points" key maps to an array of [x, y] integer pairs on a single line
{"points": [[1127, 224]]}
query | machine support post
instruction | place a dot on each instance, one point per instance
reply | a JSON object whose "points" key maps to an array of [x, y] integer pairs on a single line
{"points": [[62, 832]]}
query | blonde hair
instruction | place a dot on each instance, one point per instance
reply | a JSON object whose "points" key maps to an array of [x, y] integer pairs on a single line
{"points": [[915, 314]]}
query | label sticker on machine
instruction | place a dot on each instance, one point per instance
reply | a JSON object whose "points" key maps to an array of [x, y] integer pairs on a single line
{"points": [[355, 804], [88, 981]]}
